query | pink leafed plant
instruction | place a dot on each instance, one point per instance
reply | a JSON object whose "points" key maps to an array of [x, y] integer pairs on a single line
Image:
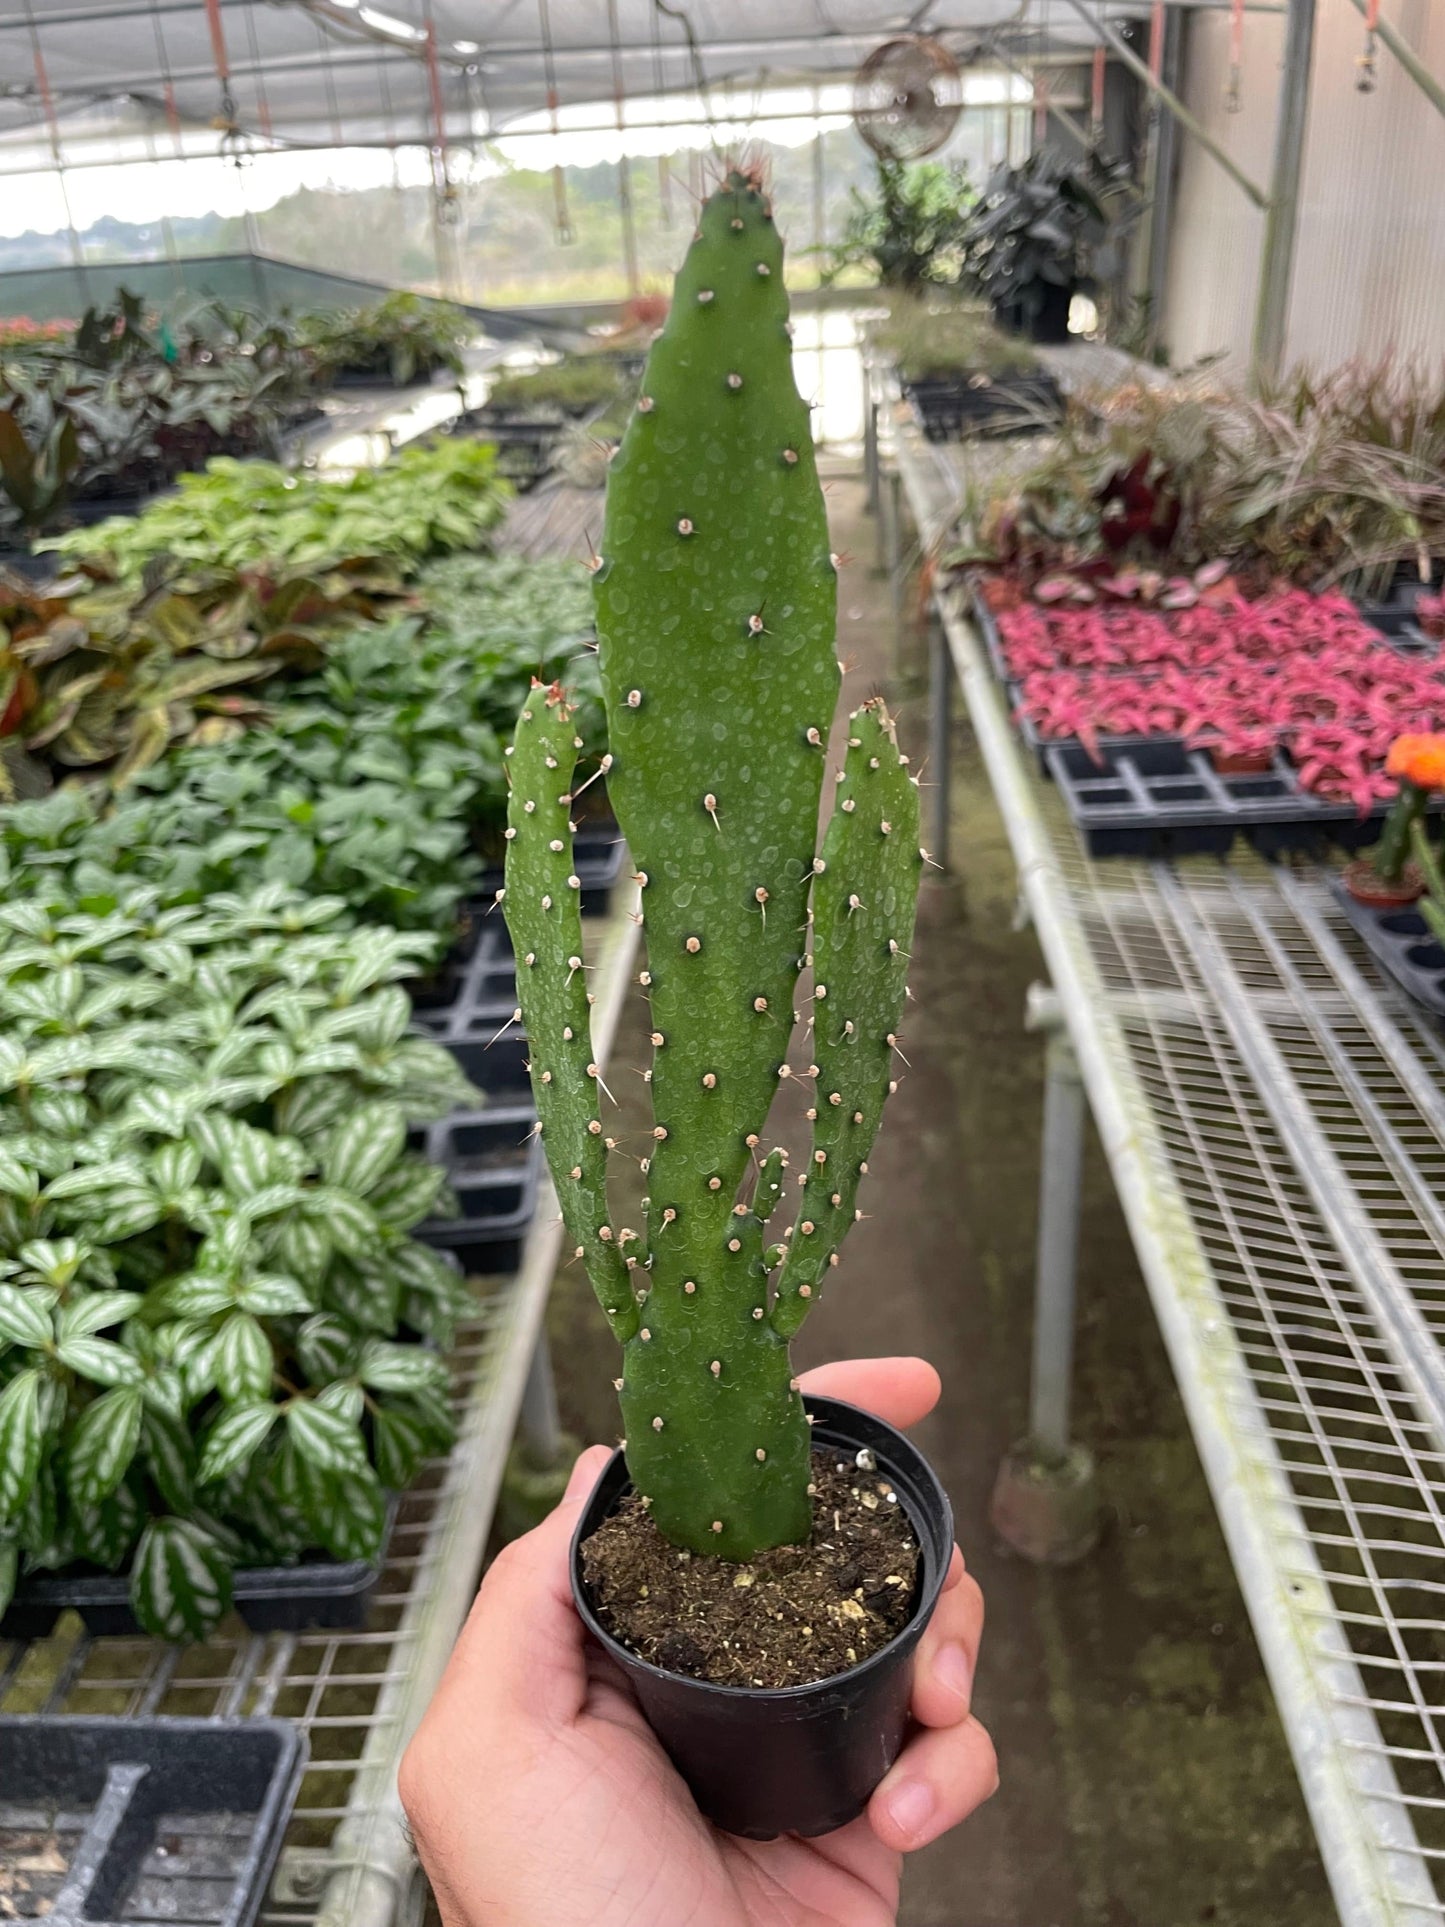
{"points": [[1289, 670]]}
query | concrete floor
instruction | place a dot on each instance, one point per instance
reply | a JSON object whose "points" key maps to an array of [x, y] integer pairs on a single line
{"points": [[1146, 1781]]}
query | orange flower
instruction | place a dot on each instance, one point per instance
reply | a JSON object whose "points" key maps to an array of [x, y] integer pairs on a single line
{"points": [[1419, 760]]}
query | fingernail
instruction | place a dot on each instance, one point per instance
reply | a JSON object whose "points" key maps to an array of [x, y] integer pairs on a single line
{"points": [[951, 1669], [910, 1807]]}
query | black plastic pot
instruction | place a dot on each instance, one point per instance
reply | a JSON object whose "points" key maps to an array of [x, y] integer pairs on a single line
{"points": [[1040, 313], [798, 1759]]}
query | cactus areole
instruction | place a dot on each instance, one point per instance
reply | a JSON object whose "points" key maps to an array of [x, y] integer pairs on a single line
{"points": [[716, 606]]}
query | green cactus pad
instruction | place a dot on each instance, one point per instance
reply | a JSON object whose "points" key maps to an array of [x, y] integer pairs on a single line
{"points": [[545, 920], [863, 907]]}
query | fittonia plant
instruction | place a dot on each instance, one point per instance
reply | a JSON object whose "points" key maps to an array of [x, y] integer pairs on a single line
{"points": [[716, 598]]}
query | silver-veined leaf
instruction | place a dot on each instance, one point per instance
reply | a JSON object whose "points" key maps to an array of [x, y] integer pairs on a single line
{"points": [[244, 1363], [407, 1194], [323, 1438], [100, 1360], [170, 1455], [21, 1438], [180, 1582], [399, 1368], [105, 1533], [93, 1312], [273, 1296], [234, 1437], [363, 1146], [326, 1348], [347, 1512], [304, 1246], [103, 1444], [25, 1315], [400, 1443]]}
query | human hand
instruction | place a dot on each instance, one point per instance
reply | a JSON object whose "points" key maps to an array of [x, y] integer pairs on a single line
{"points": [[538, 1797]]}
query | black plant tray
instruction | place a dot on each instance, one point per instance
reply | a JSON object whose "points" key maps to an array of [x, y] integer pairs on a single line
{"points": [[597, 851], [493, 1162], [954, 408], [1404, 943], [143, 1821], [270, 1599], [1161, 799], [467, 1007]]}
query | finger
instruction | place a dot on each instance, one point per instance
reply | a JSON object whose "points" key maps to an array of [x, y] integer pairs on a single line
{"points": [[900, 1390], [939, 1779], [947, 1657], [523, 1646]]}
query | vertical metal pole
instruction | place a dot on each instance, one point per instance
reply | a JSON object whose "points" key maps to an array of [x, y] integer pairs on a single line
{"points": [[940, 689], [538, 1423], [1281, 219], [1057, 1261], [870, 439], [896, 570]]}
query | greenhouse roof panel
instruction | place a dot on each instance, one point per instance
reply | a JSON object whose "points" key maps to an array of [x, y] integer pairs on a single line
{"points": [[346, 72]]}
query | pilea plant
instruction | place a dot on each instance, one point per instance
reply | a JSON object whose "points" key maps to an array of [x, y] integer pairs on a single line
{"points": [[209, 1304], [716, 604]]}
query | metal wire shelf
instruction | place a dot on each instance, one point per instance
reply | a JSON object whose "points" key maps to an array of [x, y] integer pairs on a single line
{"points": [[1273, 1108]]}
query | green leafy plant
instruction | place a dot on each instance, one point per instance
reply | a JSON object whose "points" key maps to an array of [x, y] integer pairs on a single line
{"points": [[401, 338], [927, 337], [132, 401], [573, 386], [911, 235], [107, 676], [716, 610], [210, 1307], [430, 499]]}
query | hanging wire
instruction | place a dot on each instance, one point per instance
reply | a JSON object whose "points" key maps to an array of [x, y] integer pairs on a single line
{"points": [[699, 75], [659, 88], [1366, 67], [562, 219], [1232, 97], [1096, 94], [173, 119], [263, 106], [52, 123]]}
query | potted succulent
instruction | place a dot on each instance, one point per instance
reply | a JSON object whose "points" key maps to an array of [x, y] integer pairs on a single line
{"points": [[715, 595], [1033, 239], [1390, 877]]}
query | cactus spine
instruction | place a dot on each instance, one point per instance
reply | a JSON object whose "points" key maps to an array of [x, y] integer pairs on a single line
{"points": [[716, 600]]}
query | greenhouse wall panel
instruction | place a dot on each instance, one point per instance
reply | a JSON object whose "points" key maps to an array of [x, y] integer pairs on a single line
{"points": [[1368, 272]]}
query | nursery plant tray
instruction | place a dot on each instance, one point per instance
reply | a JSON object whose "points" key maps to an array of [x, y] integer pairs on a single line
{"points": [[952, 409], [1404, 943], [597, 852], [317, 1592], [141, 1821], [1160, 799], [493, 1162], [467, 1008]]}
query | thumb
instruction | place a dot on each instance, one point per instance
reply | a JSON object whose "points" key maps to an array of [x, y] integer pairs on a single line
{"points": [[522, 1651]]}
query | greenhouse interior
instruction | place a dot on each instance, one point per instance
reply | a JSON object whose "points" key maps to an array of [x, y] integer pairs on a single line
{"points": [[593, 594]]}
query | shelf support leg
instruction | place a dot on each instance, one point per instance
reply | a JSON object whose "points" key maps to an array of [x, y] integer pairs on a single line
{"points": [[1045, 1503], [940, 695]]}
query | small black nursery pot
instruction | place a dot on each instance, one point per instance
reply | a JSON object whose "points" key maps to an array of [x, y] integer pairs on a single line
{"points": [[796, 1759]]}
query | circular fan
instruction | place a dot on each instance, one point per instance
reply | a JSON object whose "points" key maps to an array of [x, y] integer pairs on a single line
{"points": [[907, 96]]}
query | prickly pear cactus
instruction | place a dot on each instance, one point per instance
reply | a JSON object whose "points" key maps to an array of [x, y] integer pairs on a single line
{"points": [[716, 598]]}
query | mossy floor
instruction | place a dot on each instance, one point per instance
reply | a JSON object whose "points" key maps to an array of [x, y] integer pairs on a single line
{"points": [[1146, 1780]]}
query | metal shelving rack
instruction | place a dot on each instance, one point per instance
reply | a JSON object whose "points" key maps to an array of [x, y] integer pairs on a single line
{"points": [[358, 1695], [1273, 1111]]}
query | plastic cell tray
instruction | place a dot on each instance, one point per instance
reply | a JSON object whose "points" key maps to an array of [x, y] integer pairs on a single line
{"points": [[1163, 799], [1405, 944], [954, 408], [316, 1592], [493, 1162], [131, 1823]]}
